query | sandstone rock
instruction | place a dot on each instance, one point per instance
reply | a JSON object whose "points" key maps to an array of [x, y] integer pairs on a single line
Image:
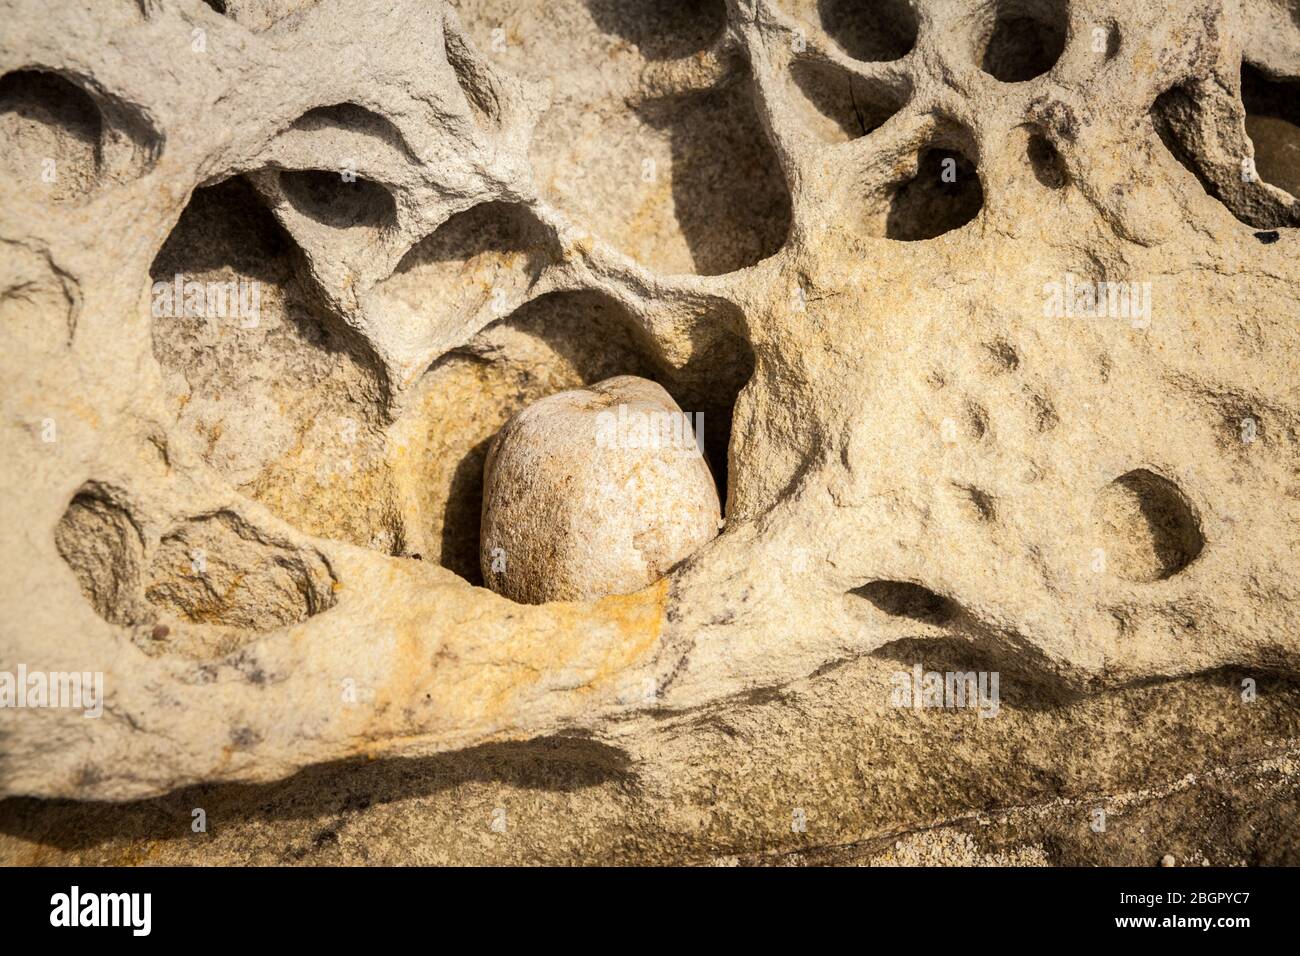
{"points": [[998, 330], [596, 491]]}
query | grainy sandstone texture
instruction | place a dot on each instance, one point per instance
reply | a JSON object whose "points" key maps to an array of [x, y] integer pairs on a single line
{"points": [[991, 310]]}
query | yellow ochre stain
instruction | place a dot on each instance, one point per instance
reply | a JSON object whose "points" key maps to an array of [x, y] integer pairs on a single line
{"points": [[499, 658]]}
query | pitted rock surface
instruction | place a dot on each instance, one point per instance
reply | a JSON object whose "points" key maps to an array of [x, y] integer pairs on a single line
{"points": [[990, 309]]}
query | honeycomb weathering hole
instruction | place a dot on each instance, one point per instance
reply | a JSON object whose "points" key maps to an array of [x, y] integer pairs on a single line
{"points": [[487, 252], [52, 131], [945, 194], [351, 118], [1148, 528], [275, 395], [883, 30], [333, 200], [560, 341], [1200, 124], [694, 188], [212, 570], [218, 569], [1273, 125], [102, 545], [63, 143], [840, 106], [1021, 39], [1046, 162]]}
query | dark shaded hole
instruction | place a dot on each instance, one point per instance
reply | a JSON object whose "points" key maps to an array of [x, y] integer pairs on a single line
{"points": [[37, 94], [101, 543], [1004, 355], [880, 30], [1046, 162], [354, 119], [1173, 114], [710, 384], [217, 5], [1268, 238], [494, 227], [729, 193], [483, 258], [262, 376], [46, 120], [331, 200], [1273, 125], [225, 226], [855, 105], [661, 29], [980, 502], [462, 519], [1112, 40], [1150, 529], [1026, 39], [905, 599], [1264, 95], [944, 195], [1196, 121], [583, 338]]}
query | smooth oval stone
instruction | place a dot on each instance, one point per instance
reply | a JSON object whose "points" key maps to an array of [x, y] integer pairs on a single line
{"points": [[592, 492]]}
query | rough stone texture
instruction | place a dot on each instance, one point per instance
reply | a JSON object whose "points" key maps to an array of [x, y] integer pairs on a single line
{"points": [[746, 203], [591, 492]]}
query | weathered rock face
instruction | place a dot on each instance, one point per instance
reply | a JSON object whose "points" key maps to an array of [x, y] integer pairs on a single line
{"points": [[990, 310], [592, 492]]}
